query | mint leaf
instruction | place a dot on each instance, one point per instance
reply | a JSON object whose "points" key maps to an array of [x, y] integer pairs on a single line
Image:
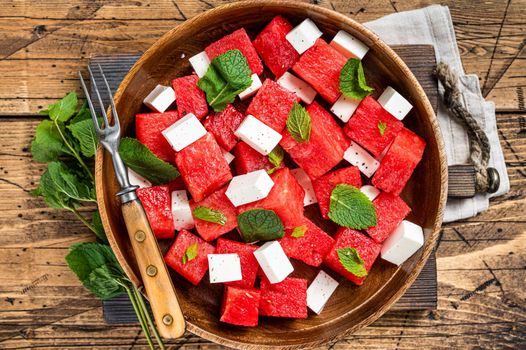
{"points": [[234, 69], [210, 215], [351, 260], [83, 114], [259, 225], [191, 252], [53, 198], [299, 231], [63, 109], [299, 123], [84, 133], [349, 207], [275, 157], [96, 223], [67, 182], [352, 80], [141, 160], [381, 128], [48, 145]]}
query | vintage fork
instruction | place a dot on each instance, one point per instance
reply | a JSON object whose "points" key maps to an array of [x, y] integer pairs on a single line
{"points": [[159, 288]]}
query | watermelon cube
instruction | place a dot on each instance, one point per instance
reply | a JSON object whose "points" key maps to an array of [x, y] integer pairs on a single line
{"points": [[320, 66], [372, 126], [203, 167], [237, 40], [191, 269], [249, 264], [284, 299], [325, 148], [248, 159], [216, 201], [399, 162], [189, 97], [349, 238], [285, 199], [177, 184], [223, 124], [390, 211], [275, 50], [157, 204], [272, 105], [240, 306], [324, 185], [310, 248], [148, 129]]}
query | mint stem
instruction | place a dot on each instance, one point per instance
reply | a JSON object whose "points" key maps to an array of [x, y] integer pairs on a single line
{"points": [[74, 152], [148, 318], [83, 219], [139, 312]]}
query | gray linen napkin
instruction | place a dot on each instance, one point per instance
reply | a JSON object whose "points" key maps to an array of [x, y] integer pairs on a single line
{"points": [[433, 26]]}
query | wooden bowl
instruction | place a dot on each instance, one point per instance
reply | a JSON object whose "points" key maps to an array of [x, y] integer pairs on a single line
{"points": [[351, 307]]}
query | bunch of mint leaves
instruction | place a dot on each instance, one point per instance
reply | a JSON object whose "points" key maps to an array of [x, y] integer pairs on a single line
{"points": [[66, 141]]}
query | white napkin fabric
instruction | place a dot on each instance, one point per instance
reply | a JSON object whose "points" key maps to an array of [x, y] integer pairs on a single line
{"points": [[433, 26]]}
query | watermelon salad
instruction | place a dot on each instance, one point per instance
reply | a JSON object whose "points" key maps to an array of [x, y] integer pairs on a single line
{"points": [[309, 133]]}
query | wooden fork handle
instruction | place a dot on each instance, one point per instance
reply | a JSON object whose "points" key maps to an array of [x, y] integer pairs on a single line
{"points": [[157, 282]]}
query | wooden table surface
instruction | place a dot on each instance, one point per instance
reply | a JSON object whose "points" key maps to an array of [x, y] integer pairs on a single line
{"points": [[481, 261]]}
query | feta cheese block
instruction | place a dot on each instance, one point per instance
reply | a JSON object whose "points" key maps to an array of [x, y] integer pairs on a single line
{"points": [[394, 103], [348, 45], [320, 290], [250, 187], [181, 211], [200, 63], [137, 180], [370, 191], [305, 182], [360, 158], [273, 261], [303, 36], [228, 156], [406, 239], [224, 268], [344, 108], [294, 84], [160, 98], [252, 89], [258, 135], [184, 132]]}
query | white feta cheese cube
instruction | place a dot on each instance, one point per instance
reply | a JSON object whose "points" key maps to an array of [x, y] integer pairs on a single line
{"points": [[224, 268], [184, 132], [273, 261], [137, 180], [229, 157], [370, 191], [304, 35], [252, 89], [344, 108], [406, 239], [250, 187], [348, 45], [320, 290], [160, 98], [294, 84], [305, 182], [181, 211], [394, 103], [200, 63], [359, 157], [258, 135]]}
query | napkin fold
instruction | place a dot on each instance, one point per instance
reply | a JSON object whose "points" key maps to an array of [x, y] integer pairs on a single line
{"points": [[433, 26]]}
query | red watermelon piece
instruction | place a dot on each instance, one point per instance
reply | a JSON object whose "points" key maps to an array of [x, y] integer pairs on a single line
{"points": [[189, 97], [177, 184], [217, 201], [399, 162], [324, 185], [311, 248], [349, 238], [148, 129], [320, 66], [223, 124], [285, 199], [237, 40], [193, 270], [272, 105], [248, 159], [390, 211], [285, 299], [272, 46], [325, 148], [249, 264], [364, 128], [240, 306], [203, 167], [157, 204]]}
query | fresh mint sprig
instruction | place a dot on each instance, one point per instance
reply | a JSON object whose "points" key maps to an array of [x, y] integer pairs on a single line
{"points": [[352, 80], [349, 207], [352, 261], [299, 123], [259, 225], [210, 215]]}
